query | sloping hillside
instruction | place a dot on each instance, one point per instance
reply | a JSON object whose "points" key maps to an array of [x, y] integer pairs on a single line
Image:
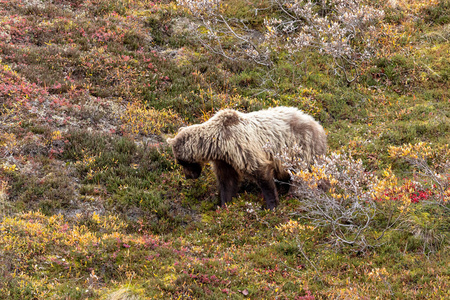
{"points": [[92, 204]]}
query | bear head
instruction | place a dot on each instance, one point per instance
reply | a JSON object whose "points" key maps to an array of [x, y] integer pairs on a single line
{"points": [[180, 148]]}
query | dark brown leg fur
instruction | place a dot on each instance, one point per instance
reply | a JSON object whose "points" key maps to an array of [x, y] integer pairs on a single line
{"points": [[228, 180], [283, 181], [264, 178]]}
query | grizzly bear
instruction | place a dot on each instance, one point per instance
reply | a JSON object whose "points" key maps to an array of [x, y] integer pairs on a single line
{"points": [[246, 145]]}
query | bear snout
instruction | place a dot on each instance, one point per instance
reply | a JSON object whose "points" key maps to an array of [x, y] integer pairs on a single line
{"points": [[192, 170]]}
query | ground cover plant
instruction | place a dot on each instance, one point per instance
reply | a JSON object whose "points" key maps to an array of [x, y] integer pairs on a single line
{"points": [[93, 206]]}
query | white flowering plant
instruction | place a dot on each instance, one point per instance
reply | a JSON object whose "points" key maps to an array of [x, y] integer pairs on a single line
{"points": [[337, 194], [346, 30]]}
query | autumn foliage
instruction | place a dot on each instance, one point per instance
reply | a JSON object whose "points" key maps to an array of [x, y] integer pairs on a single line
{"points": [[93, 206]]}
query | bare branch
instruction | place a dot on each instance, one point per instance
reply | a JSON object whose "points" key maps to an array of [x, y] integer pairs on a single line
{"points": [[341, 29], [348, 209]]}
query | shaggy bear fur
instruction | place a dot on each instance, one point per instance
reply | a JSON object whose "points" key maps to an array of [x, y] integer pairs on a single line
{"points": [[245, 144]]}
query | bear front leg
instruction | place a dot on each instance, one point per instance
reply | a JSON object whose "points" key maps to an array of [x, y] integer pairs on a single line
{"points": [[264, 178], [228, 180]]}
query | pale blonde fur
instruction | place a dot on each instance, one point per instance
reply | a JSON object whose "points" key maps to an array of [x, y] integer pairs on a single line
{"points": [[249, 141]]}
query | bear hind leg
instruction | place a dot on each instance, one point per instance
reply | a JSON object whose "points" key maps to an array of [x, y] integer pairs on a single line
{"points": [[228, 180], [282, 181]]}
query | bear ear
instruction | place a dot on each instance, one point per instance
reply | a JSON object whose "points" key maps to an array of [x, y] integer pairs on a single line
{"points": [[170, 141], [181, 128]]}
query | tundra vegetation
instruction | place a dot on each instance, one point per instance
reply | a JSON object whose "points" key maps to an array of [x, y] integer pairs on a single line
{"points": [[93, 206]]}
